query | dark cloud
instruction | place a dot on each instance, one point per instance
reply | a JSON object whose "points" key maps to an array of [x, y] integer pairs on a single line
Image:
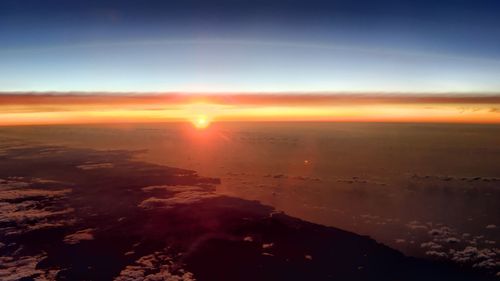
{"points": [[93, 166], [285, 99]]}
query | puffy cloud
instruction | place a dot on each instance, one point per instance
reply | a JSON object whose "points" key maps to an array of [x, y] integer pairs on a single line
{"points": [[154, 267], [15, 268], [431, 245], [16, 194], [471, 255], [441, 232], [416, 225], [481, 258], [179, 198], [27, 212], [437, 254], [13, 182], [452, 240], [30, 208]]}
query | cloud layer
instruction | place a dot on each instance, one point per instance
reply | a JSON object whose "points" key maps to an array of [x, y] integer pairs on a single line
{"points": [[19, 108]]}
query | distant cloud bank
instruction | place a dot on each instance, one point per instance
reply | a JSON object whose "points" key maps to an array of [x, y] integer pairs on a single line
{"points": [[263, 98]]}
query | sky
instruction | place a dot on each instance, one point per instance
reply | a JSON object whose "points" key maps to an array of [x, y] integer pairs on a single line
{"points": [[229, 47], [240, 45]]}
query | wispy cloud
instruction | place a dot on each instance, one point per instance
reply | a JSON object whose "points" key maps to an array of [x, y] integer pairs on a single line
{"points": [[263, 98]]}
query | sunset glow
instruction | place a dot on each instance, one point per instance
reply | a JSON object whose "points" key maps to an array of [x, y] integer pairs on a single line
{"points": [[29, 109], [249, 140], [201, 122]]}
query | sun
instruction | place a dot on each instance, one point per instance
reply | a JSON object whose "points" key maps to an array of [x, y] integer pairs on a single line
{"points": [[201, 122]]}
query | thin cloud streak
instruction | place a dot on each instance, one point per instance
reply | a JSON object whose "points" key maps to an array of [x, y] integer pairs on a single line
{"points": [[247, 42], [261, 99]]}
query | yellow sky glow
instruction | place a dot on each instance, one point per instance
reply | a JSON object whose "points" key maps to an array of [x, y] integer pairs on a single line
{"points": [[30, 110]]}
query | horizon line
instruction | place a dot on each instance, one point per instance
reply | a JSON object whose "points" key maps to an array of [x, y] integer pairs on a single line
{"points": [[103, 107], [253, 96]]}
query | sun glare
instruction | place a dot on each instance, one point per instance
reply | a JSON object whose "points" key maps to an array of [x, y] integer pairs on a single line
{"points": [[201, 122]]}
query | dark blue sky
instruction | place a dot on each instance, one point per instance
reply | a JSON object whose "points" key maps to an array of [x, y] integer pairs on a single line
{"points": [[411, 43]]}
